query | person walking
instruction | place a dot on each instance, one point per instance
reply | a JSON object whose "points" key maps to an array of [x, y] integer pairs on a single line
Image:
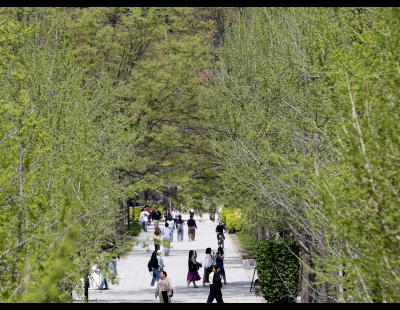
{"points": [[157, 238], [174, 215], [156, 216], [112, 266], [171, 225], [164, 288], [167, 238], [154, 269], [191, 228], [103, 280], [160, 261], [103, 271], [143, 218], [215, 287], [193, 265], [208, 265], [219, 262], [179, 228]]}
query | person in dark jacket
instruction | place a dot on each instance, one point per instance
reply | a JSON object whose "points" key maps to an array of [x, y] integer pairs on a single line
{"points": [[154, 269], [191, 228], [156, 216], [220, 230], [193, 265], [215, 288]]}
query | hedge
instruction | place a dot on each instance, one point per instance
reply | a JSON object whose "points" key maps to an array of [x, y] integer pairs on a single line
{"points": [[278, 270]]}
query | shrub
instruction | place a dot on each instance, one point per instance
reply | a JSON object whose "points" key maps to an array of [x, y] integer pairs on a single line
{"points": [[278, 270], [234, 219]]}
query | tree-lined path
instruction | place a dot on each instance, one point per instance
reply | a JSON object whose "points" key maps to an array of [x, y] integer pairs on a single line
{"points": [[134, 278]]}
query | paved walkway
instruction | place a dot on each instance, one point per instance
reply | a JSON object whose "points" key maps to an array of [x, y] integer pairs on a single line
{"points": [[134, 277]]}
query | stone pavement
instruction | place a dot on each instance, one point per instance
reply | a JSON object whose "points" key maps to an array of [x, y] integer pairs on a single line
{"points": [[134, 277]]}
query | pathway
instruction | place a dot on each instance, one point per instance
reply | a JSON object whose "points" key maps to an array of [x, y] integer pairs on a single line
{"points": [[134, 277]]}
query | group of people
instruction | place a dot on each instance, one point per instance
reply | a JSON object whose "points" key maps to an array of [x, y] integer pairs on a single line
{"points": [[213, 264], [173, 221], [164, 288]]}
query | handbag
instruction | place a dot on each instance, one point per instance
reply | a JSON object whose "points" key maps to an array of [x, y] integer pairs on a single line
{"points": [[172, 293]]}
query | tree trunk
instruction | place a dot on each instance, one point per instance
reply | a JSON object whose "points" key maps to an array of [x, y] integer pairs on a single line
{"points": [[260, 233], [306, 276]]}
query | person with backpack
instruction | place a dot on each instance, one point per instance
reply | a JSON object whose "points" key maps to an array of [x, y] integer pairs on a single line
{"points": [[179, 228], [215, 287]]}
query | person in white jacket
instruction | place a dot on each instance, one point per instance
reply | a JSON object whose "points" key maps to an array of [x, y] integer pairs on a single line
{"points": [[209, 261], [143, 219]]}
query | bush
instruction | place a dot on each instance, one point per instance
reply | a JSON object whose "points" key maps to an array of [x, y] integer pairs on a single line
{"points": [[278, 270], [233, 219]]}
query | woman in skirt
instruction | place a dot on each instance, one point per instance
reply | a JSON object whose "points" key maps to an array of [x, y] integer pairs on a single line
{"points": [[193, 274]]}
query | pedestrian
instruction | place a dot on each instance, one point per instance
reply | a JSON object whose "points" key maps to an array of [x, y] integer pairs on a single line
{"points": [[157, 238], [103, 280], [219, 262], [215, 287], [174, 215], [148, 213], [166, 215], [156, 216], [143, 218], [154, 269], [103, 272], [208, 264], [179, 227], [171, 225], [167, 238], [164, 288], [191, 228], [216, 217], [193, 265], [160, 261], [112, 266]]}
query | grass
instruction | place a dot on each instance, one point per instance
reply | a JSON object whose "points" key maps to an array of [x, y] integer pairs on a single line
{"points": [[127, 240], [248, 243]]}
